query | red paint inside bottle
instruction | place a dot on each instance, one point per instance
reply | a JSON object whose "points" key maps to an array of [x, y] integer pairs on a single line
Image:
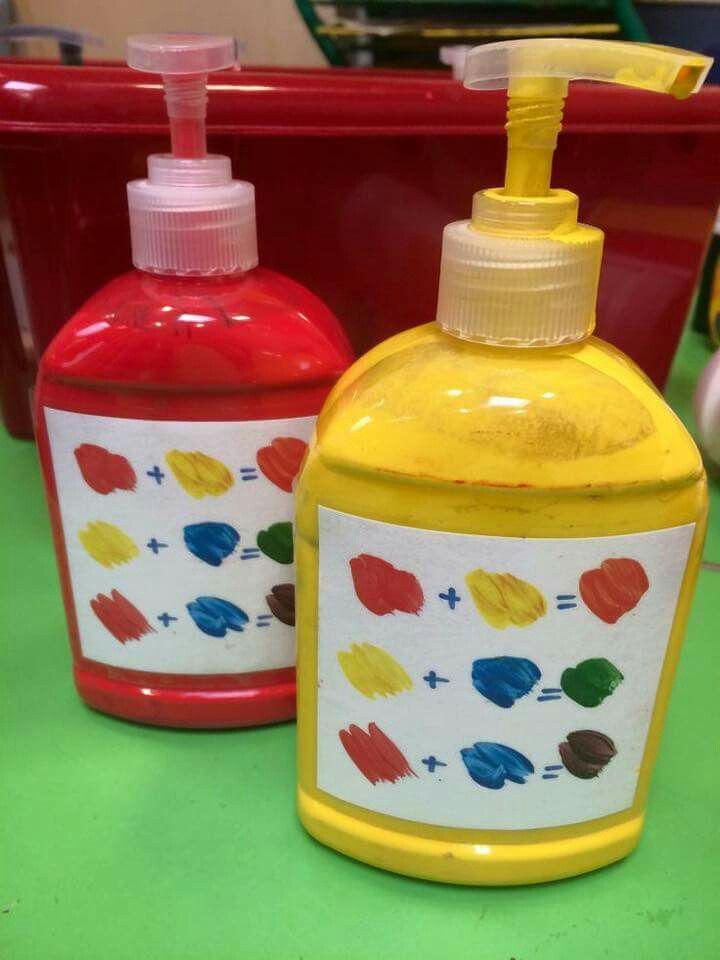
{"points": [[251, 346]]}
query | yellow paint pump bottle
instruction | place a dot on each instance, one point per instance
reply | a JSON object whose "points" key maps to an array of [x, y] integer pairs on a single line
{"points": [[499, 528]]}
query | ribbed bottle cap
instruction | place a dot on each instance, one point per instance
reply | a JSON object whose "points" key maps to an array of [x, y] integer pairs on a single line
{"points": [[534, 289], [523, 271], [190, 218]]}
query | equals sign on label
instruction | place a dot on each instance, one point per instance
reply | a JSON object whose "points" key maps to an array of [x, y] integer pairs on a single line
{"points": [[566, 601], [550, 693], [263, 620], [250, 553], [248, 473], [552, 776]]}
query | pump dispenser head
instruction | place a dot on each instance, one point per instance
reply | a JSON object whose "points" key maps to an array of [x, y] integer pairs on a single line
{"points": [[189, 217], [523, 271]]}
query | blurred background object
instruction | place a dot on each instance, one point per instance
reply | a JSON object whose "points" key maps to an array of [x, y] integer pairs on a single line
{"points": [[372, 165], [6, 13], [367, 145], [272, 30], [71, 44], [384, 33], [410, 33]]}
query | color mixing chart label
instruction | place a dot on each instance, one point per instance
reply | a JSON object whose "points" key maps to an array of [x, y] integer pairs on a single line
{"points": [[489, 682], [179, 539]]}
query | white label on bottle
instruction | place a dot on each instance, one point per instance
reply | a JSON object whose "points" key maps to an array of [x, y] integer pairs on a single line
{"points": [[489, 682], [179, 539]]}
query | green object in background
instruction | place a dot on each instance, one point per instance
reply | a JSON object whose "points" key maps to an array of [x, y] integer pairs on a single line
{"points": [[314, 22], [120, 841], [630, 21], [409, 33], [707, 300]]}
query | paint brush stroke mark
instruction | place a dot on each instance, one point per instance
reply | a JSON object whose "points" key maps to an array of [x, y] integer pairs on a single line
{"points": [[104, 471], [492, 764], [281, 601], [503, 600], [591, 681], [281, 461], [372, 671], [215, 616], [277, 542], [120, 617], [377, 758], [382, 588], [107, 544], [503, 680], [585, 753], [211, 542], [614, 588], [199, 474]]}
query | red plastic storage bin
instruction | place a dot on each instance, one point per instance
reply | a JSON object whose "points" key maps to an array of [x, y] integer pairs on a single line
{"points": [[356, 174]]}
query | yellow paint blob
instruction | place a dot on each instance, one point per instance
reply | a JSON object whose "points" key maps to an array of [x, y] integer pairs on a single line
{"points": [[198, 474], [373, 671], [504, 600], [108, 544]]}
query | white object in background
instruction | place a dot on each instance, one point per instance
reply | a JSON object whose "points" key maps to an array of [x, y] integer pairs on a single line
{"points": [[455, 57], [707, 410]]}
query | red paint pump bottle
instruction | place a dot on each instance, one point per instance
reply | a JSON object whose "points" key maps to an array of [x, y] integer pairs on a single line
{"points": [[173, 412]]}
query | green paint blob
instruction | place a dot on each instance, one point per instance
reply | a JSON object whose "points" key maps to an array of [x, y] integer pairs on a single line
{"points": [[591, 681], [277, 542]]}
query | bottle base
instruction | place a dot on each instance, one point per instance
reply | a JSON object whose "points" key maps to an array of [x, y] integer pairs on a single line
{"points": [[445, 861], [187, 708]]}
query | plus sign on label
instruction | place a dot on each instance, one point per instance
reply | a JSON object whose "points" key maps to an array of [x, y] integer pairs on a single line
{"points": [[487, 682], [432, 679], [155, 545], [450, 597], [172, 551], [432, 763], [157, 475]]}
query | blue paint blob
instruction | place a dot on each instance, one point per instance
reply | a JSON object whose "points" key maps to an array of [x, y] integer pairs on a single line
{"points": [[211, 542], [215, 616], [491, 764], [504, 679]]}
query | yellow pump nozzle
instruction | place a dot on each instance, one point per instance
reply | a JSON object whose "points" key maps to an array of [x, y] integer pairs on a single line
{"points": [[536, 74], [523, 271]]}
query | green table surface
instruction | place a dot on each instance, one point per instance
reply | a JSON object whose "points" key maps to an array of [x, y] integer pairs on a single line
{"points": [[123, 842]]}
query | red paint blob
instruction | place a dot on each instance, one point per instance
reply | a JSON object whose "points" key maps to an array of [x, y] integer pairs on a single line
{"points": [[120, 617], [382, 588], [375, 755], [104, 471], [281, 461], [613, 588]]}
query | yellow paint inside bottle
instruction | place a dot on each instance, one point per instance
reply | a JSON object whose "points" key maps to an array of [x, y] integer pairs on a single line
{"points": [[558, 435]]}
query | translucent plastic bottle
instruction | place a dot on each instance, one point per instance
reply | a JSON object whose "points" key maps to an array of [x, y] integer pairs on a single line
{"points": [[499, 528], [173, 411]]}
